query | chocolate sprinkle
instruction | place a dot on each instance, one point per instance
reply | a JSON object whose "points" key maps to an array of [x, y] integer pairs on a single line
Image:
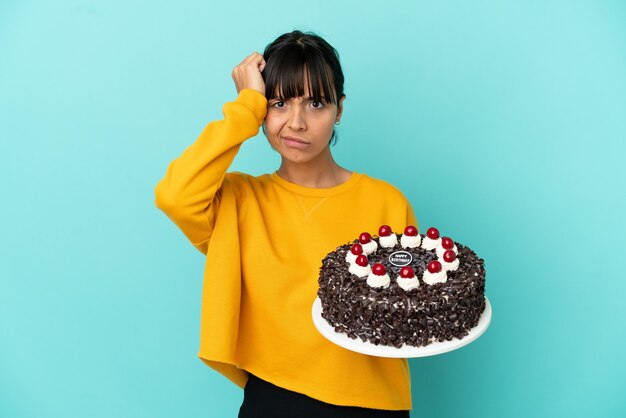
{"points": [[393, 316]]}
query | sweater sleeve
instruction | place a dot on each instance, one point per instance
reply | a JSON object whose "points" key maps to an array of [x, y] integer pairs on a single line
{"points": [[410, 215], [189, 192]]}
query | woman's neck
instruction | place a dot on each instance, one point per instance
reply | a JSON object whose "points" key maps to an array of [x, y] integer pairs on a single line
{"points": [[312, 174]]}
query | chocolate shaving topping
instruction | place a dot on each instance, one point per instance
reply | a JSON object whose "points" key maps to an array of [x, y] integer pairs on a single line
{"points": [[393, 316]]}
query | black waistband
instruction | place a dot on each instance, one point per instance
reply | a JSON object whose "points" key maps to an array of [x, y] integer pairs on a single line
{"points": [[263, 399]]}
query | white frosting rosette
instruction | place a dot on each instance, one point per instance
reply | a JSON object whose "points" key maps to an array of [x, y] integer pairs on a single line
{"points": [[430, 244], [440, 250], [449, 266], [408, 283], [360, 271], [370, 247], [374, 280], [351, 258], [407, 241], [388, 241], [432, 278]]}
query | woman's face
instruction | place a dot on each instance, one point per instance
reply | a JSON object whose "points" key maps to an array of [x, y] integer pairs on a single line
{"points": [[300, 128]]}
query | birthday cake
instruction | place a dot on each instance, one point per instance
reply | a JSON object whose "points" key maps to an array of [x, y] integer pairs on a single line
{"points": [[402, 289]]}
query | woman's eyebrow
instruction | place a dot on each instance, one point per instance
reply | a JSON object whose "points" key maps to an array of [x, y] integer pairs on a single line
{"points": [[320, 98], [304, 98]]}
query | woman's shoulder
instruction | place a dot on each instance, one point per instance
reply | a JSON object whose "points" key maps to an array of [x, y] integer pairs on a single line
{"points": [[380, 186], [244, 181]]}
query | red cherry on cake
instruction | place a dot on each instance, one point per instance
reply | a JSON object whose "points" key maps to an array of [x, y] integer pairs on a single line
{"points": [[378, 269], [432, 233], [384, 231], [410, 231], [407, 273], [434, 266], [361, 260], [447, 243], [449, 256], [356, 249], [365, 237]]}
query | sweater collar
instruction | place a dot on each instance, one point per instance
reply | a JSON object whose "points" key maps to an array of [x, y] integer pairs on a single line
{"points": [[311, 191]]}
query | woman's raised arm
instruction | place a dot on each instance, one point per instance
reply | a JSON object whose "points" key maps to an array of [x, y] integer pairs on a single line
{"points": [[188, 194]]}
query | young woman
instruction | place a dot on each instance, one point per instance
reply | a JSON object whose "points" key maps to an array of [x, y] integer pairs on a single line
{"points": [[264, 238]]}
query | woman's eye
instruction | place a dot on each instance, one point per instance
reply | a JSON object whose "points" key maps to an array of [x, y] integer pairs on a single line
{"points": [[278, 104], [317, 105]]}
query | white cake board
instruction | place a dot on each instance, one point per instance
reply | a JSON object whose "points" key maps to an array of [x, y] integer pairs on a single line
{"points": [[406, 351]]}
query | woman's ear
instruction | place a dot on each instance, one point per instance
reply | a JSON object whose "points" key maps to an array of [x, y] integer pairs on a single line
{"points": [[340, 108]]}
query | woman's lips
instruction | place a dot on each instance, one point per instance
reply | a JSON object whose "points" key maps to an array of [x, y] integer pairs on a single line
{"points": [[295, 142]]}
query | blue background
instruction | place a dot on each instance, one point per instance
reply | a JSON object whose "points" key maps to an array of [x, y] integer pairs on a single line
{"points": [[503, 122]]}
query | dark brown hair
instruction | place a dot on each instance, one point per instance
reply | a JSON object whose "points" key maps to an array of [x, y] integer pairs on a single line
{"points": [[293, 56]]}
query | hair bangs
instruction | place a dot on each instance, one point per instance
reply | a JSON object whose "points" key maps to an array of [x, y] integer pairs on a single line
{"points": [[291, 71]]}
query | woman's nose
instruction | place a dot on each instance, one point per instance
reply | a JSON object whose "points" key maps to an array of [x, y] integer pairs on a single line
{"points": [[296, 119]]}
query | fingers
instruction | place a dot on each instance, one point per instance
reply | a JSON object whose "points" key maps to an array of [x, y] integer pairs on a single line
{"points": [[254, 58], [248, 73]]}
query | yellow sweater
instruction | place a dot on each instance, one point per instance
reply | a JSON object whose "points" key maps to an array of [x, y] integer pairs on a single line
{"points": [[264, 239]]}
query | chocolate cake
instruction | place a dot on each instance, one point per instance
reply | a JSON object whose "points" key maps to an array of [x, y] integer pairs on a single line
{"points": [[402, 289]]}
